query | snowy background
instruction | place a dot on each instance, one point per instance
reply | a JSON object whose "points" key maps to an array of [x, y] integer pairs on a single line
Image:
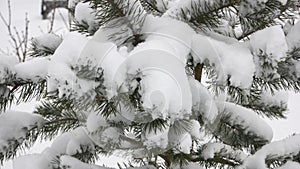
{"points": [[37, 26]]}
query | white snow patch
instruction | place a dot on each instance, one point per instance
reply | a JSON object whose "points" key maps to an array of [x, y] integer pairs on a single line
{"points": [[290, 165], [95, 121], [271, 41], [74, 163], [66, 54], [68, 59], [248, 119], [158, 139], [203, 101], [293, 36], [286, 147], [212, 149], [109, 137], [106, 56], [70, 142], [72, 3], [33, 70], [174, 98], [195, 130], [180, 142], [32, 161], [160, 34], [227, 59], [84, 14], [283, 2], [48, 41], [14, 125]]}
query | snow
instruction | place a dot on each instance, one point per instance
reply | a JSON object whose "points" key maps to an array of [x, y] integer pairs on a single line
{"points": [[106, 56], [290, 165], [160, 34], [68, 143], [61, 75], [189, 165], [195, 130], [73, 163], [32, 161], [220, 37], [70, 48], [203, 101], [271, 41], [185, 143], [14, 126], [95, 121], [226, 58], [247, 119], [180, 141], [219, 149], [107, 138], [85, 15], [161, 59], [48, 41], [34, 70], [286, 147], [158, 139], [143, 167], [110, 135], [37, 26], [172, 99], [283, 2], [297, 68], [175, 48], [72, 3], [79, 138], [8, 61], [293, 36]]}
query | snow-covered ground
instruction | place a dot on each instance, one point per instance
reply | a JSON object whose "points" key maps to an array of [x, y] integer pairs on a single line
{"points": [[282, 128]]}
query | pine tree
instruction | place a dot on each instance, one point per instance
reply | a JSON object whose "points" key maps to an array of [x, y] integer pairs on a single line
{"points": [[175, 84]]}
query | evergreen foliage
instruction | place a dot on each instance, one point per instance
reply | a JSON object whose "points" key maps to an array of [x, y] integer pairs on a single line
{"points": [[123, 122]]}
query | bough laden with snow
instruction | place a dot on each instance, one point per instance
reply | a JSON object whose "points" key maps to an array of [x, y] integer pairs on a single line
{"points": [[130, 78]]}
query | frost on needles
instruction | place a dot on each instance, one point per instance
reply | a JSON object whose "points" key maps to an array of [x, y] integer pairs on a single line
{"points": [[172, 83]]}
